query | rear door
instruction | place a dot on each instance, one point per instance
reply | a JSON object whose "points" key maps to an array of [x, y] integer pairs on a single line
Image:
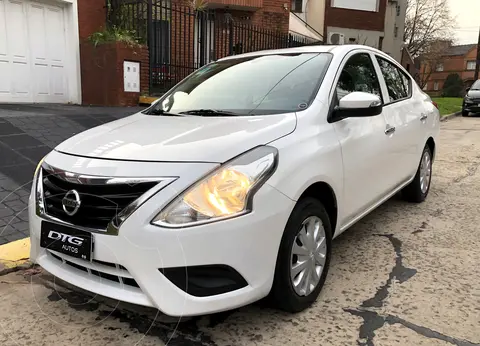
{"points": [[405, 116]]}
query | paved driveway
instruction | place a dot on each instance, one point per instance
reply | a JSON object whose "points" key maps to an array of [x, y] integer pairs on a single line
{"points": [[405, 275], [27, 133]]}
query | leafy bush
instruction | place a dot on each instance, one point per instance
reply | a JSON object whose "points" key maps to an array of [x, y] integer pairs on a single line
{"points": [[453, 86], [114, 34]]}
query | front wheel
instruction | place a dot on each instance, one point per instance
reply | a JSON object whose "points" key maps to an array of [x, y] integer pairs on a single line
{"points": [[303, 258], [417, 190], [465, 113]]}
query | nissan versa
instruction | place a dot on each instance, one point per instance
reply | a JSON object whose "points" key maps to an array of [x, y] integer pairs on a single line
{"points": [[231, 187]]}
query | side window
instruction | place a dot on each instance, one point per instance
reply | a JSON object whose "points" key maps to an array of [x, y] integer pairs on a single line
{"points": [[358, 74], [398, 84]]}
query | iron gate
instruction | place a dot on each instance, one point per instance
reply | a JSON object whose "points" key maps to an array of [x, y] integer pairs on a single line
{"points": [[181, 39]]}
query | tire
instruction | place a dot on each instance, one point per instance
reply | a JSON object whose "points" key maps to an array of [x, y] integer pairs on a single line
{"points": [[465, 113], [284, 295], [415, 192]]}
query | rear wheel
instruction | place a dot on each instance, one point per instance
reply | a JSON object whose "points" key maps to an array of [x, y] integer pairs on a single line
{"points": [[303, 258], [417, 190]]}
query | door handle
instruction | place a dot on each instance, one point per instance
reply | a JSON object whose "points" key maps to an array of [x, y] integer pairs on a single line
{"points": [[423, 117], [390, 130]]}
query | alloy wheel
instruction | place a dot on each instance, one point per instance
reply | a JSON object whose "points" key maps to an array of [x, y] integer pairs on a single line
{"points": [[308, 256], [425, 171]]}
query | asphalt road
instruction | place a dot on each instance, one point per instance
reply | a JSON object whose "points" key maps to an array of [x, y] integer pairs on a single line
{"points": [[405, 275]]}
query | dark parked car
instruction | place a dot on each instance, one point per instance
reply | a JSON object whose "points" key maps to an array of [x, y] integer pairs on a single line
{"points": [[471, 102]]}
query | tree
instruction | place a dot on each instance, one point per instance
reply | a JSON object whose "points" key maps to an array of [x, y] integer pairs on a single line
{"points": [[427, 22], [430, 59], [453, 86]]}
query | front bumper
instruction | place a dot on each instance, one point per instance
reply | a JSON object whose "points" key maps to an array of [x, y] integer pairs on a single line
{"points": [[248, 244], [471, 107]]}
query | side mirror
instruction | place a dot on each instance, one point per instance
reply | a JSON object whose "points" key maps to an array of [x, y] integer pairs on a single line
{"points": [[358, 104], [467, 90]]}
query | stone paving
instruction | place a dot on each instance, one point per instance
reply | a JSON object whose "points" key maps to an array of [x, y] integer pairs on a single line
{"points": [[27, 133]]}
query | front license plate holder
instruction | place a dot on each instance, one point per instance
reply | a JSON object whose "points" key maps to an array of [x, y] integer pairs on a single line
{"points": [[66, 240]]}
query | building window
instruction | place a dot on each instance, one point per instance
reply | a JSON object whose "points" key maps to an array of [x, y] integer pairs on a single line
{"points": [[439, 68], [297, 6], [436, 86], [395, 31], [398, 10], [361, 5], [471, 65], [425, 88]]}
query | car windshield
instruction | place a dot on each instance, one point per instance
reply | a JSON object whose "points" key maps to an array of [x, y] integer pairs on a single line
{"points": [[268, 84], [476, 85]]}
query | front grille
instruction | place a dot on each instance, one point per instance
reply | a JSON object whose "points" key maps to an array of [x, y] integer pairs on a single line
{"points": [[100, 204], [118, 279]]}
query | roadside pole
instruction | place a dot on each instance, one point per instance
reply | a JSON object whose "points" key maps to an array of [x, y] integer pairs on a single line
{"points": [[477, 66]]}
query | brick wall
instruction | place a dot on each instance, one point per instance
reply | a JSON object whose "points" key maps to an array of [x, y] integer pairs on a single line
{"points": [[355, 19], [91, 17], [452, 64], [102, 73]]}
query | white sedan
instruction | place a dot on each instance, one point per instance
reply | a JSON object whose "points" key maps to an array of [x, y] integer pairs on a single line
{"points": [[232, 186]]}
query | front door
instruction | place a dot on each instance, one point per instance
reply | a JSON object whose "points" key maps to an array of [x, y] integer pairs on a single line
{"points": [[363, 141]]}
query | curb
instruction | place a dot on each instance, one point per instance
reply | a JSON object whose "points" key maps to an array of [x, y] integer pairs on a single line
{"points": [[147, 100], [14, 255], [446, 117]]}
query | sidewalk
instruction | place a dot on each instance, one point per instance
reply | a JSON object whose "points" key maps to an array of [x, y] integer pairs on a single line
{"points": [[27, 133]]}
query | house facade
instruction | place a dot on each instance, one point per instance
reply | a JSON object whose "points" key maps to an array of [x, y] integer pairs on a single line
{"points": [[45, 54], [376, 23], [459, 59]]}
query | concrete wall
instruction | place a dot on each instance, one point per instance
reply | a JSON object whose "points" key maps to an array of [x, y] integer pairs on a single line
{"points": [[315, 14], [393, 45]]}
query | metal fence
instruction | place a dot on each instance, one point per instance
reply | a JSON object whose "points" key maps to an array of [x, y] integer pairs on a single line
{"points": [[181, 39]]}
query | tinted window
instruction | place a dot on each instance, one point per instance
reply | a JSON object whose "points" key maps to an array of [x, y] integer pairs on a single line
{"points": [[266, 84], [358, 75], [398, 84]]}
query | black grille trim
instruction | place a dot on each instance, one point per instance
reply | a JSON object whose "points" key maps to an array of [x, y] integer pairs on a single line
{"points": [[118, 279], [205, 280], [100, 204]]}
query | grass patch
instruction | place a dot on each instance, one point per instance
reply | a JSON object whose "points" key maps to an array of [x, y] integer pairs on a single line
{"points": [[448, 105]]}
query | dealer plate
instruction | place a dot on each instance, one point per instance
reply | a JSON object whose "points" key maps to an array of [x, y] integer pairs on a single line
{"points": [[67, 240]]}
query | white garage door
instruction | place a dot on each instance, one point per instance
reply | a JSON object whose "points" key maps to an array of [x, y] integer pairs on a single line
{"points": [[32, 52]]}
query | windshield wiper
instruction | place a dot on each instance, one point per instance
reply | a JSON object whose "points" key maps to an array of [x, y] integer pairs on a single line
{"points": [[162, 112], [209, 112]]}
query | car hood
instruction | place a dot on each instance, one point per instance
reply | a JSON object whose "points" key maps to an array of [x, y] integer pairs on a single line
{"points": [[474, 94], [142, 137]]}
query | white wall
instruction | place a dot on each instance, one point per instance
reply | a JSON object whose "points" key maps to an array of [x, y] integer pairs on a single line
{"points": [[315, 14], [73, 51], [391, 44], [365, 37], [364, 5]]}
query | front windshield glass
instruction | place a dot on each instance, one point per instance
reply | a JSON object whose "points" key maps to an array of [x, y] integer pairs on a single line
{"points": [[476, 85], [268, 84]]}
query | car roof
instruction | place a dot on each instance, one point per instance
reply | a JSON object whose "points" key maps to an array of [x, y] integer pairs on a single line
{"points": [[334, 49]]}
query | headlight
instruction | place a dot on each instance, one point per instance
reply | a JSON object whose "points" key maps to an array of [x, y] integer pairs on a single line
{"points": [[467, 99], [38, 166], [225, 193]]}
